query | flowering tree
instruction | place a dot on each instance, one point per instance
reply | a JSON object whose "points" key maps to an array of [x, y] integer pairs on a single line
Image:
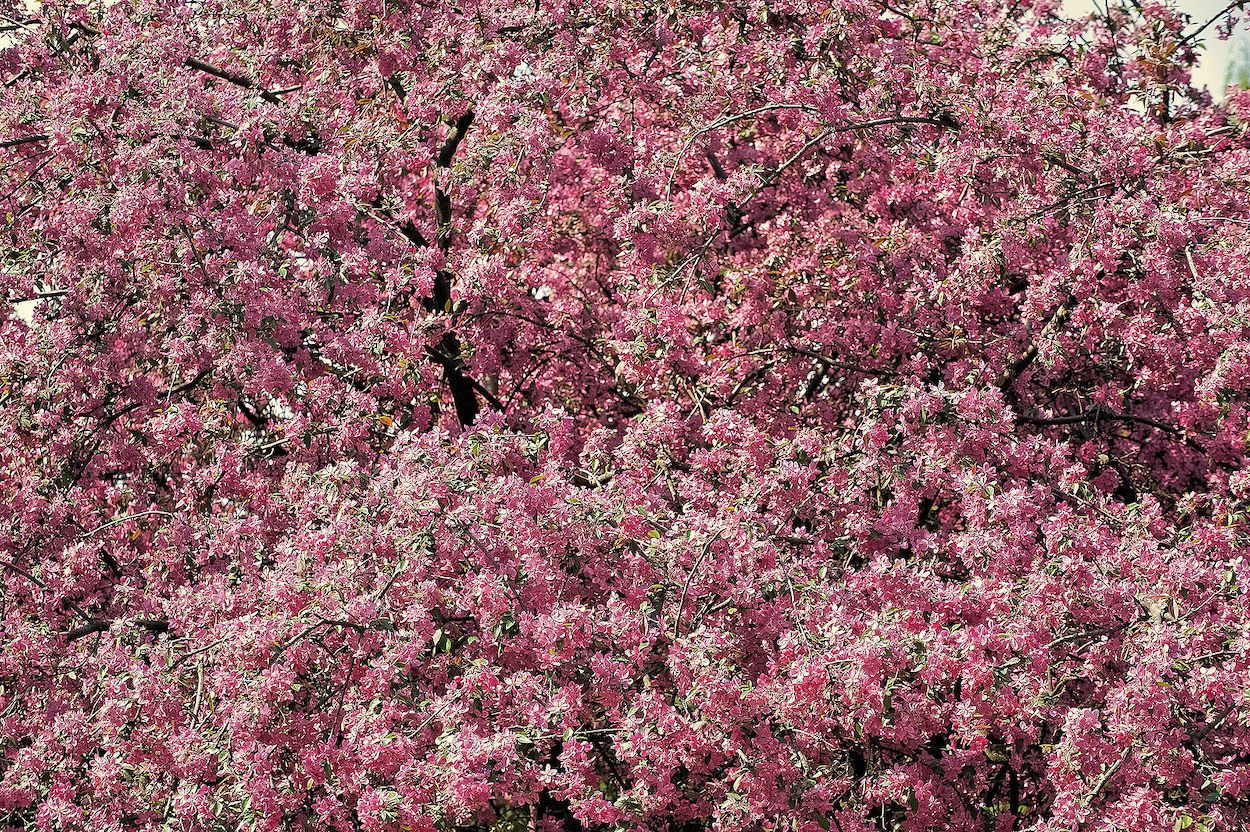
{"points": [[621, 415]]}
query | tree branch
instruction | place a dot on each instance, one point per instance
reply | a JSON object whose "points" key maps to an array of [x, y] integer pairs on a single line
{"points": [[1236, 4], [99, 625], [454, 139], [442, 200], [232, 78], [1057, 319], [120, 520], [464, 389], [21, 140], [1098, 414]]}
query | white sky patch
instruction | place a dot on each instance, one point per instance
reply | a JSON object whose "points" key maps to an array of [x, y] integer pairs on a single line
{"points": [[1212, 69]]}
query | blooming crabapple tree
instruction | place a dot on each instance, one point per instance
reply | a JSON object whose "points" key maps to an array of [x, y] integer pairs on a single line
{"points": [[621, 415]]}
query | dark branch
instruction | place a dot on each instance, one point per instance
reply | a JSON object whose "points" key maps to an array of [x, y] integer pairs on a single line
{"points": [[21, 140], [455, 138], [464, 389], [1236, 4], [397, 86], [232, 78], [412, 235], [1099, 415], [943, 120], [50, 294], [99, 625], [189, 385], [1057, 319], [442, 201], [1056, 159]]}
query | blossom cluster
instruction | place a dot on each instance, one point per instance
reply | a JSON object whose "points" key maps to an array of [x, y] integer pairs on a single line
{"points": [[621, 415]]}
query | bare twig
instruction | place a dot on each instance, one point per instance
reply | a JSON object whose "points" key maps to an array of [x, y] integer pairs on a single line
{"points": [[17, 570], [46, 295], [196, 652], [118, 520], [1236, 4], [937, 121]]}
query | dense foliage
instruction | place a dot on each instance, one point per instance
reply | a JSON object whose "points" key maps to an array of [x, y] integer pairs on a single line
{"points": [[621, 415]]}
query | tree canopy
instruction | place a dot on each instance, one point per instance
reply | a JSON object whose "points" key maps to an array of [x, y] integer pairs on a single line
{"points": [[621, 415]]}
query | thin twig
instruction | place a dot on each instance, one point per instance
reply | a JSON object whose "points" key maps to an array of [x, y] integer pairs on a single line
{"points": [[722, 122], [694, 568], [17, 570], [118, 520], [196, 652], [1108, 774], [1236, 4]]}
